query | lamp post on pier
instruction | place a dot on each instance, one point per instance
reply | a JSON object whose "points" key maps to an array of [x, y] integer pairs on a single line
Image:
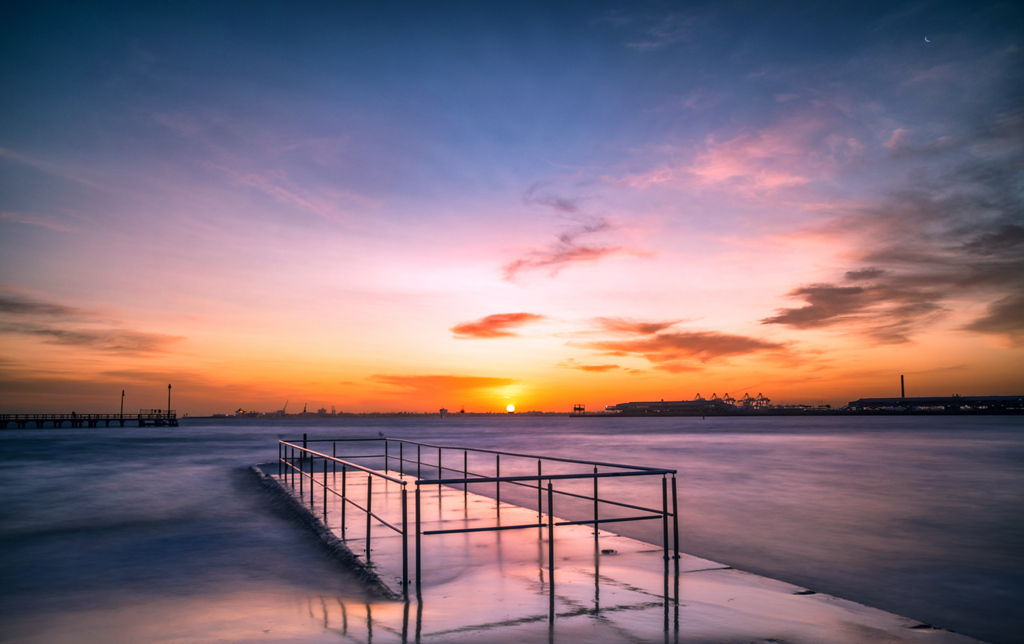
{"points": [[168, 401], [122, 405]]}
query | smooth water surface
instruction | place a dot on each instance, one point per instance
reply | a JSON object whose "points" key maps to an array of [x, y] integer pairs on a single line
{"points": [[160, 533]]}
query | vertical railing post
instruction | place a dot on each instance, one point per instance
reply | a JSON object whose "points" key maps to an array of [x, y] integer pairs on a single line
{"points": [[385, 456], [418, 463], [401, 458], [418, 552], [344, 501], [369, 509], [312, 481], [664, 512], [279, 466], [405, 542], [465, 477], [540, 498], [497, 484], [675, 523], [595, 506], [302, 474], [551, 536], [325, 492], [334, 453]]}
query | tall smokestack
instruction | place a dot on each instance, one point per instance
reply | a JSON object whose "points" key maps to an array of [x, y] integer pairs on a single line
{"points": [[903, 391]]}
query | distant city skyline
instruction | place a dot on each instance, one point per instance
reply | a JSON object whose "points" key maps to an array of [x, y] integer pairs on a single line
{"points": [[404, 207]]}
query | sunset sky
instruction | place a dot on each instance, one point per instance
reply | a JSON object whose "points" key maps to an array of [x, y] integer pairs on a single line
{"points": [[409, 206]]}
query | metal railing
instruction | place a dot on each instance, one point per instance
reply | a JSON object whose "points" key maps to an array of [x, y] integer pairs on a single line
{"points": [[292, 460], [297, 460]]}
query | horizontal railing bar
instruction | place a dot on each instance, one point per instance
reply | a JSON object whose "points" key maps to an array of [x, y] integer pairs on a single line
{"points": [[491, 451], [537, 525], [600, 500], [534, 477], [425, 464], [531, 456], [491, 529], [398, 530], [592, 522], [338, 460], [294, 467], [574, 495]]}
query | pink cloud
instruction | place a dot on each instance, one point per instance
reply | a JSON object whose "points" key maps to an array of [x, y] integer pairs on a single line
{"points": [[499, 325], [762, 162], [755, 164], [896, 141]]}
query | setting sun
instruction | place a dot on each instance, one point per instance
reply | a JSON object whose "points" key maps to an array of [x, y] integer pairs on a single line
{"points": [[511, 408]]}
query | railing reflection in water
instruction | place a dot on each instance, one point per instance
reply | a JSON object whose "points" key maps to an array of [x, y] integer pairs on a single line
{"points": [[366, 622]]}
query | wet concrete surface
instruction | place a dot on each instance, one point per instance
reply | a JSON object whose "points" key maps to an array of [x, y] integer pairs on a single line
{"points": [[501, 586]]}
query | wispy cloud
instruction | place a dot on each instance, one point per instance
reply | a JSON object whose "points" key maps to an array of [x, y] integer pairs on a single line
{"points": [[649, 30], [570, 248], [47, 167], [755, 164], [702, 346], [673, 351], [885, 312], [270, 165], [634, 327], [14, 303], [442, 383], [499, 325], [1004, 317], [591, 368], [119, 341], [538, 194], [37, 219], [760, 162], [942, 238], [70, 326], [328, 203]]}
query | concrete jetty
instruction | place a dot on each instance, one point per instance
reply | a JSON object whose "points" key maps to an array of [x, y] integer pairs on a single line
{"points": [[476, 583]]}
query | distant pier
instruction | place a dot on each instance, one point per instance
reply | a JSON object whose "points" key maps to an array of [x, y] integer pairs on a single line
{"points": [[929, 405], [145, 418]]}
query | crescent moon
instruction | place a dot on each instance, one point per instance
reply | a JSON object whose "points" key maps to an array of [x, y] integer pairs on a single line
{"points": [[926, 39]]}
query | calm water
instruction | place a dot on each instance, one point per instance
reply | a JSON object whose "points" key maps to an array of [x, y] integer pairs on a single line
{"points": [[158, 534]]}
